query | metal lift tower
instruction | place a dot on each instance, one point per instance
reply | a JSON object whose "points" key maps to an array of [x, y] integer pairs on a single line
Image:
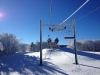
{"points": [[59, 28]]}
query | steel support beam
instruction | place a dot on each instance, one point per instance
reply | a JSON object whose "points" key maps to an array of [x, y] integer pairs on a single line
{"points": [[76, 60], [41, 43]]}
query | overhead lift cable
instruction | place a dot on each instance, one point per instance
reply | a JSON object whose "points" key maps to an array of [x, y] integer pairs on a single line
{"points": [[74, 12], [88, 13]]}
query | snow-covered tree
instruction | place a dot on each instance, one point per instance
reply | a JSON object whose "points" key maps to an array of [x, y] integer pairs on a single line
{"points": [[32, 47], [49, 42], [1, 46], [78, 45], [23, 47], [56, 41], [10, 43], [1, 49], [44, 45], [96, 45], [37, 46], [71, 44]]}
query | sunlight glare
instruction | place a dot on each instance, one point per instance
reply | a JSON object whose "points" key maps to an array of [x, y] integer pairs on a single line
{"points": [[0, 16]]}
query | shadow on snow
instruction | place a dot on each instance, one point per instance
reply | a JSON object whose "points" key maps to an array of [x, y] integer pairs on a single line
{"points": [[26, 65], [83, 53], [89, 66]]}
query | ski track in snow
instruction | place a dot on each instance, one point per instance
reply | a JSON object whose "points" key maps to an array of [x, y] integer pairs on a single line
{"points": [[55, 62]]}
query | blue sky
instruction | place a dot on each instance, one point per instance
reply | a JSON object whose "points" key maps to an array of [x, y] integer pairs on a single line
{"points": [[22, 18]]}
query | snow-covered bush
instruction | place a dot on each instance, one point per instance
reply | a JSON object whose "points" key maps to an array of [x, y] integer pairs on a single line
{"points": [[9, 44], [86, 45]]}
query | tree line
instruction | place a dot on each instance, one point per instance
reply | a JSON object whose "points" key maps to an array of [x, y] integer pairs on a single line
{"points": [[9, 44]]}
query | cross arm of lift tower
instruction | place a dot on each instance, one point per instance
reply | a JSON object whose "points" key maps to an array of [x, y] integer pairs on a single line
{"points": [[74, 37], [57, 27]]}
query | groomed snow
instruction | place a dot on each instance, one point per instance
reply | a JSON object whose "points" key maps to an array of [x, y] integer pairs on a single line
{"points": [[55, 62]]}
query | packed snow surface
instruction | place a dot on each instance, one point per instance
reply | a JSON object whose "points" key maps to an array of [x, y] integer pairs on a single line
{"points": [[55, 62]]}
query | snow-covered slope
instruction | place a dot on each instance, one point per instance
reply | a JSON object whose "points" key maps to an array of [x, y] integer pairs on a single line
{"points": [[56, 62]]}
